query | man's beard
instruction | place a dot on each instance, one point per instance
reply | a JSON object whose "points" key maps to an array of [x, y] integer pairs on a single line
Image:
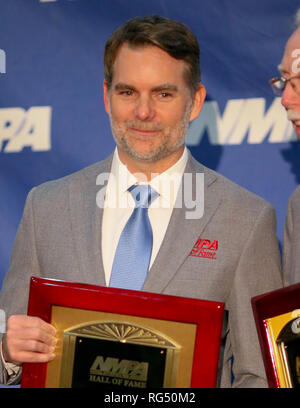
{"points": [[164, 149]]}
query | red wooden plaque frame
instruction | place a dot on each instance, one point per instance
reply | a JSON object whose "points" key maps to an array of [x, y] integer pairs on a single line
{"points": [[266, 306], [206, 315]]}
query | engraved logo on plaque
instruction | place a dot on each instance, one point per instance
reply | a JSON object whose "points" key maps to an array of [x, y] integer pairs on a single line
{"points": [[117, 354], [126, 372]]}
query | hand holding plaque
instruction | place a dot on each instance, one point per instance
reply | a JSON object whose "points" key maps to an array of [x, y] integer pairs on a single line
{"points": [[28, 339]]}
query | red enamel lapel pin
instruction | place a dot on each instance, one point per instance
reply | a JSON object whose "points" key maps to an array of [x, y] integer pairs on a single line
{"points": [[204, 248]]}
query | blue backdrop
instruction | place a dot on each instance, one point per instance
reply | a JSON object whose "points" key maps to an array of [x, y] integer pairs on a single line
{"points": [[52, 120]]}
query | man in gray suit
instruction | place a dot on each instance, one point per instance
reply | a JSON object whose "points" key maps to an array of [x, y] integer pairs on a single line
{"points": [[288, 87], [218, 243]]}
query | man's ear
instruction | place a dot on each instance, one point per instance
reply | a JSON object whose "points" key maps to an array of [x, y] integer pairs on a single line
{"points": [[198, 102], [106, 96]]}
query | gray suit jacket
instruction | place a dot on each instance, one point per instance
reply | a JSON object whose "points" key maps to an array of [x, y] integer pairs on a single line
{"points": [[60, 237], [291, 241]]}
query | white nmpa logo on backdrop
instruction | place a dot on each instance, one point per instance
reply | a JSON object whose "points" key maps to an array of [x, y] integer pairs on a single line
{"points": [[242, 119], [2, 62], [20, 128]]}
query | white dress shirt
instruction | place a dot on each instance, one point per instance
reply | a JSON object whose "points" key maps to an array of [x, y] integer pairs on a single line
{"points": [[119, 205]]}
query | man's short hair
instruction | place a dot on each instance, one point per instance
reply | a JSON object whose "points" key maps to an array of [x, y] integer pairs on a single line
{"points": [[171, 36]]}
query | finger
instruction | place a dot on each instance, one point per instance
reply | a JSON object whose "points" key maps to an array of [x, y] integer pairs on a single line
{"points": [[34, 346], [31, 333], [34, 351], [30, 321], [14, 346], [31, 357], [41, 324]]}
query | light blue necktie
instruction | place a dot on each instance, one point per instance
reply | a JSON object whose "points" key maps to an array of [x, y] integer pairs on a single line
{"points": [[133, 254]]}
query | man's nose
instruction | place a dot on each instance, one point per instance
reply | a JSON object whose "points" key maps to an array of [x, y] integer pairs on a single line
{"points": [[144, 109], [289, 96]]}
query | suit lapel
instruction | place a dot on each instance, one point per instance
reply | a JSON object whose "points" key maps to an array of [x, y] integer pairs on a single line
{"points": [[182, 233], [86, 219]]}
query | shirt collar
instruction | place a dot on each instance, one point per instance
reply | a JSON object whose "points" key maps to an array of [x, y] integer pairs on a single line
{"points": [[166, 184]]}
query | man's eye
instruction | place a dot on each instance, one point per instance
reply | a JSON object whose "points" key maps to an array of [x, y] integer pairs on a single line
{"points": [[126, 93], [165, 95]]}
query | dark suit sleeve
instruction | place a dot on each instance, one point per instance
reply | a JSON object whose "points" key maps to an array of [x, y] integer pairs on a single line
{"points": [[23, 265], [258, 271], [287, 245]]}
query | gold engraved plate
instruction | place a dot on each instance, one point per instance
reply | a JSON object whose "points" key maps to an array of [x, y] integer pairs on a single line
{"points": [[284, 338], [109, 366], [119, 351]]}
